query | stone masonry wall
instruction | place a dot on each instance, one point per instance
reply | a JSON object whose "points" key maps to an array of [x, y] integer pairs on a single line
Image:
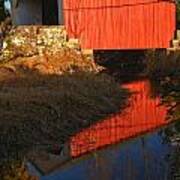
{"points": [[27, 41]]}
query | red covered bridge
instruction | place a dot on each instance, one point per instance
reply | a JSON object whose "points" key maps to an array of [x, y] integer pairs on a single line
{"points": [[105, 24], [121, 24]]}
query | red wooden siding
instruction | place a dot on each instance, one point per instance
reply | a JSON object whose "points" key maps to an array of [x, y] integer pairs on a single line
{"points": [[143, 115], [120, 24]]}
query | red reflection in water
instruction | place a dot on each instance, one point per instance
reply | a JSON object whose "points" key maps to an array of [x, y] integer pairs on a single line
{"points": [[143, 115]]}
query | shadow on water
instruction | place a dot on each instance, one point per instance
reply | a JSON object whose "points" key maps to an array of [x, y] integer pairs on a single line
{"points": [[140, 148], [124, 65]]}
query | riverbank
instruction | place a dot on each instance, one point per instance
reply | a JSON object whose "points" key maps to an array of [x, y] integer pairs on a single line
{"points": [[46, 99], [164, 72]]}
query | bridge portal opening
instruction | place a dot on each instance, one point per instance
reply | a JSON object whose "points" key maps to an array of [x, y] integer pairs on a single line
{"points": [[50, 12]]}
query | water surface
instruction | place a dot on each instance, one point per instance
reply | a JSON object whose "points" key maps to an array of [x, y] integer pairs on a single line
{"points": [[143, 114], [127, 145]]}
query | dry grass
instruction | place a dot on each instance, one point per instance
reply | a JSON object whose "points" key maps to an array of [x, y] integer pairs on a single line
{"points": [[53, 100]]}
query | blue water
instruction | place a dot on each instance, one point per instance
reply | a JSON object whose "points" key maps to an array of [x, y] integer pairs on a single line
{"points": [[143, 158]]}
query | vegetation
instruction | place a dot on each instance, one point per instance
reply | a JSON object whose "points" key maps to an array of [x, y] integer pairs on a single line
{"points": [[164, 70], [172, 136], [161, 65]]}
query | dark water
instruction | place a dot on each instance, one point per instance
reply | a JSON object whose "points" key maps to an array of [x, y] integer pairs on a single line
{"points": [[143, 158], [130, 145]]}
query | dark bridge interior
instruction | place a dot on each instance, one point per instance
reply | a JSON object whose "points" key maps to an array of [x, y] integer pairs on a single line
{"points": [[50, 12]]}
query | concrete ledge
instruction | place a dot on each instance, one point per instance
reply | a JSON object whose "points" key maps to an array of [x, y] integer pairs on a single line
{"points": [[88, 53], [42, 163], [178, 34], [176, 43]]}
